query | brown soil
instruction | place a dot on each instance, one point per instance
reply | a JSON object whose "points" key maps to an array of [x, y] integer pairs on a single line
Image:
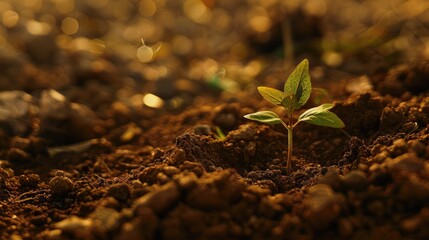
{"points": [[81, 163], [175, 180]]}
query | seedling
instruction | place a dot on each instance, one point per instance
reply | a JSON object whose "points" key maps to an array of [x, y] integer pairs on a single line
{"points": [[219, 134], [297, 90]]}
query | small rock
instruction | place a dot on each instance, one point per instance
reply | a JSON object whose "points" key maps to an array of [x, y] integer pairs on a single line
{"points": [[399, 147], [226, 117], [381, 157], [17, 155], [216, 191], [16, 109], [162, 178], [406, 162], [414, 190], [202, 130], [105, 218], [60, 186], [76, 226], [64, 122], [193, 167], [186, 180], [331, 178], [119, 191], [418, 147], [171, 170], [161, 199], [141, 227], [355, 180], [322, 206], [424, 106], [246, 132], [29, 180]]}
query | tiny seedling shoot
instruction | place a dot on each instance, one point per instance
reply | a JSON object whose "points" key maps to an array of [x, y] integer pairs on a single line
{"points": [[296, 92]]}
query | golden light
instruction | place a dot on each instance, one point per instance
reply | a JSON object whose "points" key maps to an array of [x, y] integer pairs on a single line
{"points": [[38, 28], [153, 101], [69, 26], [332, 59], [145, 54], [181, 45], [197, 11], [35, 5], [64, 6], [147, 8], [10, 18], [260, 23]]}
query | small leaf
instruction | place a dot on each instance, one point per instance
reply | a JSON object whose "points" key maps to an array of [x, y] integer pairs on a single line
{"points": [[322, 108], [321, 116], [288, 103], [298, 84], [271, 94], [264, 117]]}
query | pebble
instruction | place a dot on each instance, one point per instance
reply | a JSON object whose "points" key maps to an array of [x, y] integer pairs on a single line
{"points": [[381, 157], [60, 186], [355, 180], [171, 170], [322, 206], [29, 180], [65, 122], [225, 120], [414, 189], [245, 132], [399, 147], [106, 218], [74, 225], [120, 191], [16, 108], [216, 192], [193, 167], [406, 162], [159, 200], [418, 147], [331, 178], [17, 155], [202, 130], [186, 180]]}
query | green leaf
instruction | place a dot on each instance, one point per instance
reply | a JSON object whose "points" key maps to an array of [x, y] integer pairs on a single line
{"points": [[271, 94], [289, 103], [321, 116], [264, 117], [298, 84]]}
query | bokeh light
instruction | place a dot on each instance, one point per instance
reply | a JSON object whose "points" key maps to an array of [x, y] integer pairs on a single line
{"points": [[70, 26]]}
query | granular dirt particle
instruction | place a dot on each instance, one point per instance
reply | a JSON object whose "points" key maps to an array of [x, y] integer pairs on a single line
{"points": [[60, 186], [119, 191]]}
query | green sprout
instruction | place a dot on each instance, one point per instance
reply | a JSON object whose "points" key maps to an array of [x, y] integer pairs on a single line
{"points": [[297, 90]]}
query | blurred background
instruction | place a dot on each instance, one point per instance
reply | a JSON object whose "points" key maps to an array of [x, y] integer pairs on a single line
{"points": [[161, 54]]}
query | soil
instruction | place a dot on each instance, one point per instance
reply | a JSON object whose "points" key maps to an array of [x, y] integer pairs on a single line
{"points": [[78, 162]]}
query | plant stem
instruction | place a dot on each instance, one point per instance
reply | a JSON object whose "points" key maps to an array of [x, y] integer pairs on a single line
{"points": [[289, 148]]}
